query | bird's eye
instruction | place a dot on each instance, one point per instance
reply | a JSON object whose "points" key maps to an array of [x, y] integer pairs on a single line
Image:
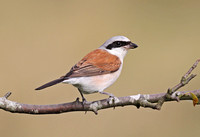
{"points": [[118, 43]]}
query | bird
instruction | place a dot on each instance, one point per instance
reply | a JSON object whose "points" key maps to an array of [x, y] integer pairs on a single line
{"points": [[99, 69]]}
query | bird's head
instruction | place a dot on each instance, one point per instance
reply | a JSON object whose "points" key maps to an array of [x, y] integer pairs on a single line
{"points": [[118, 45]]}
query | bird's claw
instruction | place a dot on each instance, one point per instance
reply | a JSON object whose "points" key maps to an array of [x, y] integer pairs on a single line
{"points": [[85, 102], [112, 100]]}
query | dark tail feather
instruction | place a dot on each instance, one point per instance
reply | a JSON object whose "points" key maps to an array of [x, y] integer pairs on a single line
{"points": [[50, 84]]}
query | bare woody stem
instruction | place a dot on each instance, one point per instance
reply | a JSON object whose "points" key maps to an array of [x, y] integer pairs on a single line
{"points": [[154, 101], [184, 80], [146, 101]]}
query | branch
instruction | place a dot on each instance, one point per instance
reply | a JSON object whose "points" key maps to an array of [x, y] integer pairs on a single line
{"points": [[184, 80], [146, 101], [154, 101]]}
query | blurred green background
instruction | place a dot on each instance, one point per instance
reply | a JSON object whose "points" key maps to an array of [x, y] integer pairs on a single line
{"points": [[41, 40]]}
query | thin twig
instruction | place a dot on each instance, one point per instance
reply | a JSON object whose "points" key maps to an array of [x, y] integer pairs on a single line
{"points": [[184, 80]]}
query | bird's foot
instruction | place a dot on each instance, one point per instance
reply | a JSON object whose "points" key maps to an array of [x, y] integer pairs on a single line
{"points": [[112, 100], [84, 101]]}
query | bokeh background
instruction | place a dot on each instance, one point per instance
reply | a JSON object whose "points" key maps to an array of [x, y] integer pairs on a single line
{"points": [[41, 40]]}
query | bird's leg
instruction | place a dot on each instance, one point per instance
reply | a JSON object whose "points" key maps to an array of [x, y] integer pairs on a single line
{"points": [[83, 98]]}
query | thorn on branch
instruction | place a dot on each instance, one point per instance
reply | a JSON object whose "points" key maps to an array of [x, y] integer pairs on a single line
{"points": [[169, 91], [7, 95], [138, 106], [77, 101], [177, 99], [95, 112]]}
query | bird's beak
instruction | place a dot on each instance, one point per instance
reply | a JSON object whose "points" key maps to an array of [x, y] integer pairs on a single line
{"points": [[132, 46]]}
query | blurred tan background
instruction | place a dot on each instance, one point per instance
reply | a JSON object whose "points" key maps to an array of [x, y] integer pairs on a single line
{"points": [[41, 40]]}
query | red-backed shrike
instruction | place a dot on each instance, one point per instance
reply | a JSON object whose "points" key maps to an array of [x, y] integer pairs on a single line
{"points": [[99, 69]]}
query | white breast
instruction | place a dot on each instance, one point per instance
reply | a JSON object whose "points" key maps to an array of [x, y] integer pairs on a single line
{"points": [[94, 84]]}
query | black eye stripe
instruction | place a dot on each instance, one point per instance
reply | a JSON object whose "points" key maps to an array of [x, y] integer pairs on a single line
{"points": [[117, 44]]}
